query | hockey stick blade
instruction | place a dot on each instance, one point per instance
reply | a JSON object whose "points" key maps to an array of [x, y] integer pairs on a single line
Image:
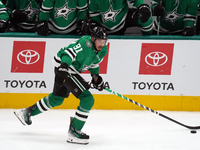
{"points": [[151, 110]]}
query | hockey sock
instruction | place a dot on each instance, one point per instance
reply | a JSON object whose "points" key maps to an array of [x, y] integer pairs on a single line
{"points": [[41, 106], [80, 118], [81, 115], [47, 103]]}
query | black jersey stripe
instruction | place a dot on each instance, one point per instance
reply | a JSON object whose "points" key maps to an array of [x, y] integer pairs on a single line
{"points": [[70, 51], [116, 28], [56, 60], [2, 10], [42, 106], [190, 17], [68, 28], [82, 116], [46, 9]]}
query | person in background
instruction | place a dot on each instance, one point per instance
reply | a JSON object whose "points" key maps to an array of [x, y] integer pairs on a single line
{"points": [[174, 17], [23, 15], [4, 17], [62, 17], [116, 16]]}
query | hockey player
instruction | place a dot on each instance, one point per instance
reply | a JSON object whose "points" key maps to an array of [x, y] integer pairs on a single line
{"points": [[61, 16], [84, 54], [116, 16], [23, 15], [3, 17], [176, 17]]}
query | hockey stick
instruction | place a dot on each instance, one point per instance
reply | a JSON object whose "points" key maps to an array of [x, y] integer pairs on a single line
{"points": [[158, 30], [153, 111], [158, 25]]}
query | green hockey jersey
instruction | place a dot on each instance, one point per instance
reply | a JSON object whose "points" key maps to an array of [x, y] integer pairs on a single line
{"points": [[3, 12], [111, 14], [63, 15], [178, 14], [30, 6], [81, 56]]}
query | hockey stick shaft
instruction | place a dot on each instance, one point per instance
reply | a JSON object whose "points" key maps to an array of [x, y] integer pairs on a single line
{"points": [[151, 110], [158, 25], [158, 30]]}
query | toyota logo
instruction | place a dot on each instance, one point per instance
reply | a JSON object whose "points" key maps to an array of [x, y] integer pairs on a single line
{"points": [[28, 57], [156, 59]]}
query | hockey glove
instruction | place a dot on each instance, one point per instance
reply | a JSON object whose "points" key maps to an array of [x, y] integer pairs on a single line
{"points": [[144, 13], [92, 25], [19, 16], [3, 25], [61, 74], [42, 28], [82, 27], [39, 2], [158, 10], [97, 82], [188, 31]]}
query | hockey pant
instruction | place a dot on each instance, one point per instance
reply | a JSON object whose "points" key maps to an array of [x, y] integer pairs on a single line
{"points": [[79, 88]]}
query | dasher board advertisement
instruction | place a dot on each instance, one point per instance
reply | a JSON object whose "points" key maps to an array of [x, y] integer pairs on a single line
{"points": [[132, 67]]}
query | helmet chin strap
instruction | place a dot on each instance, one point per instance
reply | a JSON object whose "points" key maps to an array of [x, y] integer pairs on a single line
{"points": [[95, 49]]}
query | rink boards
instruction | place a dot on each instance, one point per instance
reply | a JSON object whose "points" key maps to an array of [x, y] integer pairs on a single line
{"points": [[161, 73]]}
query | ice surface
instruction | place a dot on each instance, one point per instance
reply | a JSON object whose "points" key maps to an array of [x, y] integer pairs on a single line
{"points": [[108, 130]]}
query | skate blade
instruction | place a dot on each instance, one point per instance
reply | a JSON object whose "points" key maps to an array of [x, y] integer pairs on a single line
{"points": [[77, 141], [20, 119]]}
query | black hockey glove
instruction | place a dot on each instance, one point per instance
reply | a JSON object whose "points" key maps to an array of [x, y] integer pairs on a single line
{"points": [[144, 13], [61, 74], [92, 25], [97, 82], [39, 2], [188, 31], [158, 10], [82, 27], [18, 16], [3, 25], [42, 28]]}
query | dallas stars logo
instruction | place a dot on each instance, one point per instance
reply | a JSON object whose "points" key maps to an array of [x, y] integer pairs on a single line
{"points": [[110, 14], [30, 11], [63, 11], [173, 16]]}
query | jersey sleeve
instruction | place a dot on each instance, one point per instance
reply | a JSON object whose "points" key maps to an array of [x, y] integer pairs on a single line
{"points": [[3, 12], [68, 54], [191, 13], [10, 5], [82, 8], [76, 51], [94, 12], [46, 8]]}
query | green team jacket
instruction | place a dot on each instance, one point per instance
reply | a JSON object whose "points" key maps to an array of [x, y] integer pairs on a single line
{"points": [[3, 12], [81, 55], [111, 14], [30, 6], [178, 14], [63, 15]]}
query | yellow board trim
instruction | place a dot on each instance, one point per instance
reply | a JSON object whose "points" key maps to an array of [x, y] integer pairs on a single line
{"points": [[107, 102]]}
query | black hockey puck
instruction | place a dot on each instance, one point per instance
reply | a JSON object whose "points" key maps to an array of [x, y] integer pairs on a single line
{"points": [[193, 131]]}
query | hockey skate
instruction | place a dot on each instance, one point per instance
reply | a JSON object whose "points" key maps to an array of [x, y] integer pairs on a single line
{"points": [[75, 136], [24, 115]]}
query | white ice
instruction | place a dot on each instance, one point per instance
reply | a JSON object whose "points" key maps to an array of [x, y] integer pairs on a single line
{"points": [[108, 130]]}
